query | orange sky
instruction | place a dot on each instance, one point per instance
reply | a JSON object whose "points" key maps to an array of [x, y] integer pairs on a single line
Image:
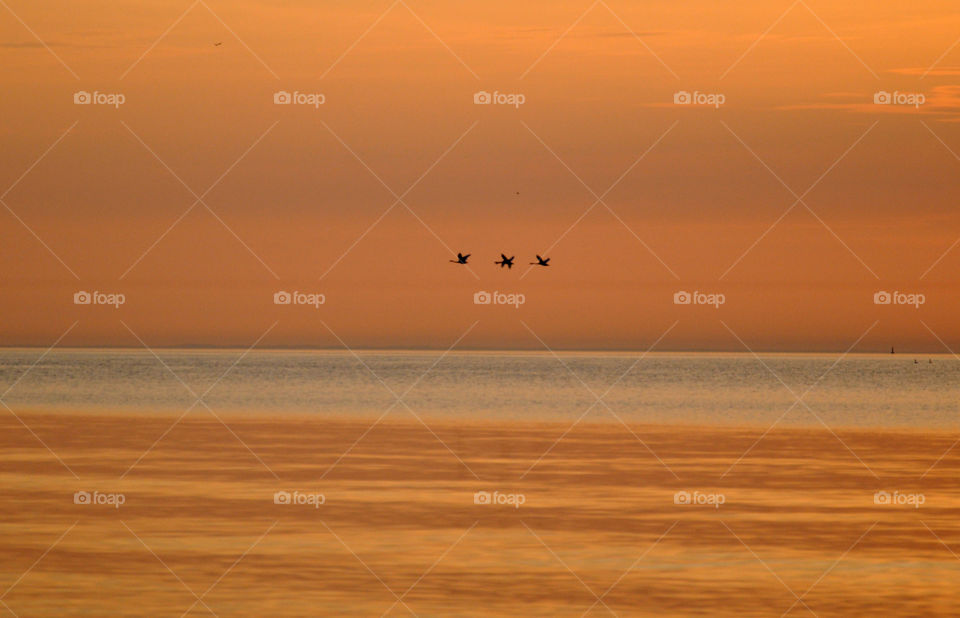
{"points": [[399, 82]]}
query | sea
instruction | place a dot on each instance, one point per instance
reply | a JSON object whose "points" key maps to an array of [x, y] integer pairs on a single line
{"points": [[854, 390]]}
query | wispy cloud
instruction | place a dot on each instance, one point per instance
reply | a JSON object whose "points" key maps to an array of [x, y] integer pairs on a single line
{"points": [[941, 100], [52, 44], [921, 71]]}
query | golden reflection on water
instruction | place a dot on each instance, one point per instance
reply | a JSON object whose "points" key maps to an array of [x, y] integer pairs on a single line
{"points": [[598, 530]]}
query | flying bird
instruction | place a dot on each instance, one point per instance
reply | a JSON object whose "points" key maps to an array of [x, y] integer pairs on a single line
{"points": [[505, 261], [541, 262], [461, 259], [218, 44]]}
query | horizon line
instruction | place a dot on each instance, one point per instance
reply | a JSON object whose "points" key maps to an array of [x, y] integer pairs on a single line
{"points": [[472, 349]]}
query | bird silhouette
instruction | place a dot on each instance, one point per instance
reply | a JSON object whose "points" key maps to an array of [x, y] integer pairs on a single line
{"points": [[541, 262], [505, 261], [218, 44], [461, 259]]}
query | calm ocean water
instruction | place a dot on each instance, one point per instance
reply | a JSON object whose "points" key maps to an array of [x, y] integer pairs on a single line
{"points": [[861, 390]]}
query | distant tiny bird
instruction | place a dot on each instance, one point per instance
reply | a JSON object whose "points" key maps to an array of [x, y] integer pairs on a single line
{"points": [[517, 193], [218, 44], [541, 262], [461, 259], [505, 261]]}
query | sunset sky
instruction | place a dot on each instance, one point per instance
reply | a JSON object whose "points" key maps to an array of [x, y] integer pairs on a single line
{"points": [[296, 197]]}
